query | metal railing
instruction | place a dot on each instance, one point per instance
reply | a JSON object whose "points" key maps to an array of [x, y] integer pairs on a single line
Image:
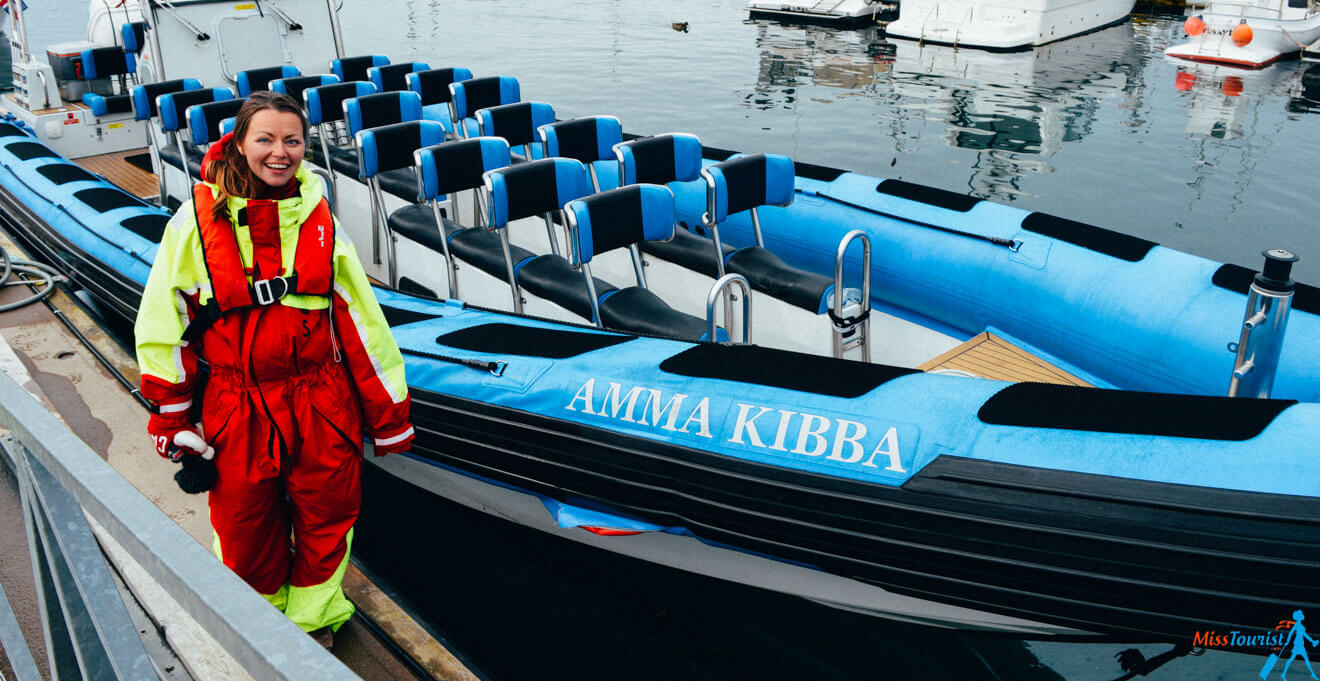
{"points": [[88, 631]]}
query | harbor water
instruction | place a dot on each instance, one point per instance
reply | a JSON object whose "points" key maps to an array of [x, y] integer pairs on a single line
{"points": [[1100, 128]]}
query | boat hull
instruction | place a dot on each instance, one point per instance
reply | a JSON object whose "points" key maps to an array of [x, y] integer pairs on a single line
{"points": [[1272, 39], [1004, 24]]}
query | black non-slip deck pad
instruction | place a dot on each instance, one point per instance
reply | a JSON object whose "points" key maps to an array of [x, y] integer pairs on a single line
{"points": [[782, 369], [10, 130], [398, 316], [64, 173], [1238, 278], [528, 341], [102, 199], [150, 227], [1098, 239], [26, 151], [928, 195], [1043, 405]]}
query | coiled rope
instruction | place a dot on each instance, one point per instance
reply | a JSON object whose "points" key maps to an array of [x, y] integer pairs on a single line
{"points": [[30, 273]]}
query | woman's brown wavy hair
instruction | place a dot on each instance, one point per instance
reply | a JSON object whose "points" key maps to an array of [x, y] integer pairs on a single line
{"points": [[230, 173]]}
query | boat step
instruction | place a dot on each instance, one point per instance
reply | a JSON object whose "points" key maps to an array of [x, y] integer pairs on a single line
{"points": [[989, 356]]}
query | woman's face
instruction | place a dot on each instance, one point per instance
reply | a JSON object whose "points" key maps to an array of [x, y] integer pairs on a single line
{"points": [[273, 146]]}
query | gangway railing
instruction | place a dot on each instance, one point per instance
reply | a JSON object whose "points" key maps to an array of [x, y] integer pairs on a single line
{"points": [[88, 631]]}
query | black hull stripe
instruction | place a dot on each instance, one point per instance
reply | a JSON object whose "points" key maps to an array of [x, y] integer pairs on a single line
{"points": [[944, 545]]}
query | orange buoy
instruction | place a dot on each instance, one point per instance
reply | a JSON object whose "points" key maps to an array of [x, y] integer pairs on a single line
{"points": [[1242, 34], [1232, 87], [1184, 81], [1194, 25]]}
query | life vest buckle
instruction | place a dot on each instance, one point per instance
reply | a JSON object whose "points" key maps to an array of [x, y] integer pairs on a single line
{"points": [[263, 292]]}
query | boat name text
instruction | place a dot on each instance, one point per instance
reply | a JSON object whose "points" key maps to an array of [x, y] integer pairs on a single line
{"points": [[770, 429]]}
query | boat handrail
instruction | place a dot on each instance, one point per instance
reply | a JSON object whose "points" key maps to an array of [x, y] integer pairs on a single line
{"points": [[861, 324], [719, 288], [62, 481]]}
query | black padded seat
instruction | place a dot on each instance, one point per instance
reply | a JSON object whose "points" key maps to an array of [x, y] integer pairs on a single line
{"points": [[688, 250], [473, 245], [344, 161], [170, 154], [552, 278], [481, 248], [116, 104], [417, 222], [401, 182], [638, 310], [770, 275]]}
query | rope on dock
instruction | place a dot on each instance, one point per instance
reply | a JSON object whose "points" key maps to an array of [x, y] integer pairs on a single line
{"points": [[46, 278]]}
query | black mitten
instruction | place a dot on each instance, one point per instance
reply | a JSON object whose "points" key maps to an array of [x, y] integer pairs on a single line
{"points": [[197, 475]]}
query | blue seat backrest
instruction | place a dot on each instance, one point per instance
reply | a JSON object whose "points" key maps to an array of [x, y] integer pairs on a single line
{"points": [[104, 62], [481, 93], [515, 122], [256, 80], [227, 125], [355, 68], [172, 106], [660, 159], [459, 165], [297, 85], [144, 96], [204, 119], [535, 188], [620, 217], [747, 182], [133, 35], [390, 147], [393, 77], [585, 139], [325, 103], [433, 84], [385, 108]]}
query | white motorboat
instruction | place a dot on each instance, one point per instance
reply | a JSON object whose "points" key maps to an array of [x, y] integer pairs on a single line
{"points": [[1003, 24], [1250, 33], [833, 12]]}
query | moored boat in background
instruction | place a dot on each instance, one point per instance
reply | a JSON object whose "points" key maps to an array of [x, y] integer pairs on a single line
{"points": [[1003, 24], [1250, 34], [846, 13]]}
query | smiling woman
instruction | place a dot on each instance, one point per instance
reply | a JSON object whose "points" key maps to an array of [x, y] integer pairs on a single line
{"points": [[302, 365]]}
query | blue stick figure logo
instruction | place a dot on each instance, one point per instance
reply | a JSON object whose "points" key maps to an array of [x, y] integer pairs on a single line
{"points": [[1298, 638]]}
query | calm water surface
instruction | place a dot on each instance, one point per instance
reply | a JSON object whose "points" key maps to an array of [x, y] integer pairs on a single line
{"points": [[1099, 128]]}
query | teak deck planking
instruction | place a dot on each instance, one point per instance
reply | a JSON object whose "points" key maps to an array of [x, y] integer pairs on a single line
{"points": [[989, 356]]}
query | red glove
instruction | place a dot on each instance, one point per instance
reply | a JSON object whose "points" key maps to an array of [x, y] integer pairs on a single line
{"points": [[162, 430], [395, 445]]}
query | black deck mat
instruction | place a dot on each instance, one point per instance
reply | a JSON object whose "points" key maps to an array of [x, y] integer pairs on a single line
{"points": [[1042, 405], [529, 341], [1238, 278], [782, 369]]}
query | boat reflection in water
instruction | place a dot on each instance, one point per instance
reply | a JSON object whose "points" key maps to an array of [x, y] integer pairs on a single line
{"points": [[1017, 108], [1219, 98]]}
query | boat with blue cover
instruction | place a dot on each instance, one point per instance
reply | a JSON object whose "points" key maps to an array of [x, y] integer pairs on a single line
{"points": [[561, 291]]}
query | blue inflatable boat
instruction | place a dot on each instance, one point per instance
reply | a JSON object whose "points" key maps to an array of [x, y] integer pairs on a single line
{"points": [[1150, 508]]}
